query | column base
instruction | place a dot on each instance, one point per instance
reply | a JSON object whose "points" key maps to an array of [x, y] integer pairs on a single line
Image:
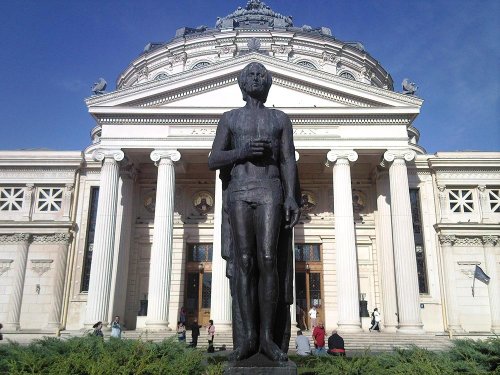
{"points": [[390, 329], [12, 327], [349, 327], [411, 329], [52, 326], [223, 326], [158, 325]]}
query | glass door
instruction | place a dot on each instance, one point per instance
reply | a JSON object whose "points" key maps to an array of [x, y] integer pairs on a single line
{"points": [[198, 287]]}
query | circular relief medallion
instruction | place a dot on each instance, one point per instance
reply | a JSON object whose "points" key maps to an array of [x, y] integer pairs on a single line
{"points": [[150, 202], [308, 201], [358, 201], [203, 201]]}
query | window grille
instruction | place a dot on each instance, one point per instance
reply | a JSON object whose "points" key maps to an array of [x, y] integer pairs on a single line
{"points": [[347, 75], [307, 253], [494, 198], [200, 252], [419, 241], [89, 246], [50, 199], [461, 200], [11, 199], [307, 64]]}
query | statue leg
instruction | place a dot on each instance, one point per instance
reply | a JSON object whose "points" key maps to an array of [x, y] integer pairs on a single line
{"points": [[268, 222], [242, 223]]}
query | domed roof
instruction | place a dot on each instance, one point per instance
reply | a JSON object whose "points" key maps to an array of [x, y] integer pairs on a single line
{"points": [[256, 14]]}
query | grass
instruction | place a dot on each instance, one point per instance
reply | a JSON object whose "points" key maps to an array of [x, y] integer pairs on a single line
{"points": [[94, 356]]}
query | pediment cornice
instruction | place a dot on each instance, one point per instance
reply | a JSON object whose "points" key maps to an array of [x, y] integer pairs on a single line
{"points": [[225, 73]]}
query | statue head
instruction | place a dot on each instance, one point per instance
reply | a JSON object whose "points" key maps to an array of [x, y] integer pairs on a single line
{"points": [[255, 81]]}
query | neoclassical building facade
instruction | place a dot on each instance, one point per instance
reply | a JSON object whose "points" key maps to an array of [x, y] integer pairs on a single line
{"points": [[130, 226]]}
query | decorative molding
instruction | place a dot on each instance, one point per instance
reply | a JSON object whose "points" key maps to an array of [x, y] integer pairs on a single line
{"points": [[468, 241], [5, 265], [37, 174], [391, 155], [60, 238], [102, 154], [334, 155], [40, 266], [172, 155], [15, 238], [490, 240], [447, 240]]}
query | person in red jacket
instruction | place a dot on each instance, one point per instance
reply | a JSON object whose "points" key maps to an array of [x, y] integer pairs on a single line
{"points": [[319, 338]]}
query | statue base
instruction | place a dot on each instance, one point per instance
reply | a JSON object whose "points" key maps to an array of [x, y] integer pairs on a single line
{"points": [[259, 364]]}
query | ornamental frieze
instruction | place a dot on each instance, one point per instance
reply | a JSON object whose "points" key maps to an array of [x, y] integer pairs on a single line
{"points": [[59, 238], [5, 265], [14, 238]]}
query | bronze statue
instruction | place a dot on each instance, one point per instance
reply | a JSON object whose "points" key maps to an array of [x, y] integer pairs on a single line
{"points": [[253, 148]]}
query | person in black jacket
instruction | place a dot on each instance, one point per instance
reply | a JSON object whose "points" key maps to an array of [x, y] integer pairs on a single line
{"points": [[336, 344], [195, 333]]}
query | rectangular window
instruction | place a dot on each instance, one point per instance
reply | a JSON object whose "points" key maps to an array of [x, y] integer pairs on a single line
{"points": [[307, 253], [419, 241], [494, 199], [200, 252], [11, 199], [49, 199], [461, 200], [89, 245]]}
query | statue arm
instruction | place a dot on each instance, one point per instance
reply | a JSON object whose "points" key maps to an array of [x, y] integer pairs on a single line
{"points": [[288, 169], [221, 156]]}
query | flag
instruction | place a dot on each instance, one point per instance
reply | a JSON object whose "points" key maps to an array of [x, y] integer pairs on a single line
{"points": [[481, 276]]}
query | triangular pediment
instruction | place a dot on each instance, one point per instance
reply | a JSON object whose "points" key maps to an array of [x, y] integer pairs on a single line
{"points": [[216, 86]]}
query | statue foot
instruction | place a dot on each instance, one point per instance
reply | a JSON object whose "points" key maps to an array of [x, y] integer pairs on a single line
{"points": [[272, 351], [246, 350]]}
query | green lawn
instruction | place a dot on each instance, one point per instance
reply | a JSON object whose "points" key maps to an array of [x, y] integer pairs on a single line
{"points": [[92, 355]]}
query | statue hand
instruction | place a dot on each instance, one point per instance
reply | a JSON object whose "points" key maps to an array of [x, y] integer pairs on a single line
{"points": [[254, 149], [292, 212]]}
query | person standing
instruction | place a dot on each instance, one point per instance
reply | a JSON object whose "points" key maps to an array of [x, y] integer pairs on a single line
{"points": [[302, 344], [1, 336], [181, 332], [319, 335], [336, 344], [375, 320], [182, 315], [116, 328], [313, 314], [195, 333], [211, 335]]}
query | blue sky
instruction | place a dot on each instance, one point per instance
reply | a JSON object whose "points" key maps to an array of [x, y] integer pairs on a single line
{"points": [[52, 52]]}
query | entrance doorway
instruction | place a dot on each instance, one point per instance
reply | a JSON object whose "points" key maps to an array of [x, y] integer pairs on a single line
{"points": [[198, 283], [308, 283]]}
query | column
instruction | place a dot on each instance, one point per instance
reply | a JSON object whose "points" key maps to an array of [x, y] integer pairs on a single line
{"points": [[122, 243], [104, 240], [347, 268], [21, 242], [452, 311], [405, 260], [62, 240], [161, 252], [491, 260], [220, 304], [386, 252]]}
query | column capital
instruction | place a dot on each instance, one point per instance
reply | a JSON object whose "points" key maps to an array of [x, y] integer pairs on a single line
{"points": [[490, 240], [101, 154], [391, 155], [349, 155], [447, 239], [157, 155]]}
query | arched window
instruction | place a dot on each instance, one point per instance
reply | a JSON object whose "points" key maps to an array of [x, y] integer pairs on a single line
{"points": [[161, 76], [307, 64], [347, 75], [200, 65]]}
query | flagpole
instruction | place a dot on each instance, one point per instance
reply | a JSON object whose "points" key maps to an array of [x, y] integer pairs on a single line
{"points": [[473, 282]]}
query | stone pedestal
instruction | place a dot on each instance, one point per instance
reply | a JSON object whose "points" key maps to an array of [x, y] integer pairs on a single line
{"points": [[259, 364]]}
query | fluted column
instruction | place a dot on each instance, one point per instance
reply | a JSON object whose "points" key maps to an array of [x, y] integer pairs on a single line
{"points": [[452, 310], [104, 240], [491, 260], [62, 240], [405, 260], [161, 252], [385, 249], [220, 305], [21, 242], [347, 268]]}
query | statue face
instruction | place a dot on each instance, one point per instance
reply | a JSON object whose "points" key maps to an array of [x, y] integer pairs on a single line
{"points": [[255, 81]]}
